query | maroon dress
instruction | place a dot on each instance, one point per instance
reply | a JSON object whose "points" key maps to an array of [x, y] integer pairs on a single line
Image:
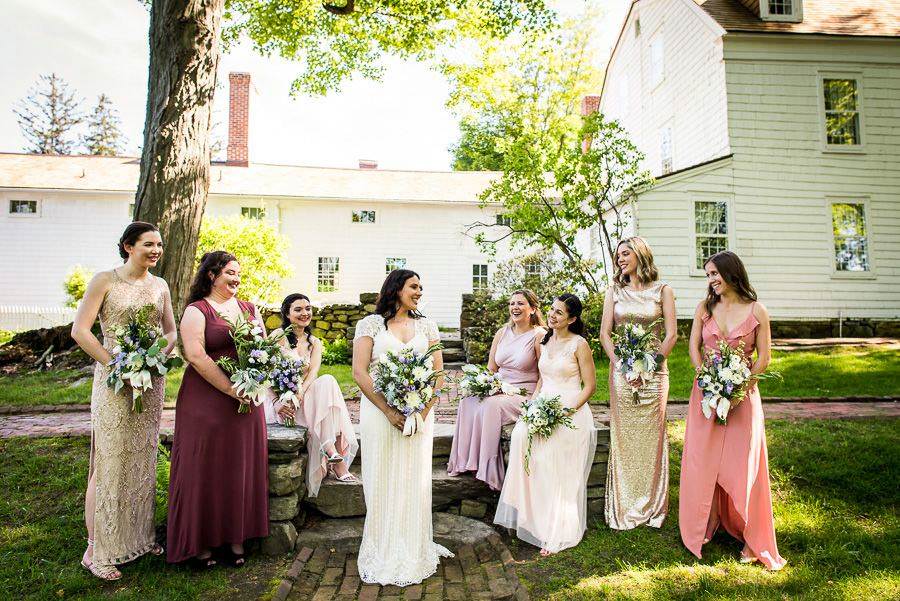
{"points": [[218, 485]]}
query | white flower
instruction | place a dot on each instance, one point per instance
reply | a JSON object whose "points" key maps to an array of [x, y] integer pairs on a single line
{"points": [[420, 374], [413, 399], [722, 409]]}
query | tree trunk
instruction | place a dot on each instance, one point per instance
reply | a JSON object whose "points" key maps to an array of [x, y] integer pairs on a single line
{"points": [[174, 181]]}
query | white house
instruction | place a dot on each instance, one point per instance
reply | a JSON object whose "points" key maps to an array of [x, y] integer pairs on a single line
{"points": [[772, 128], [347, 227]]}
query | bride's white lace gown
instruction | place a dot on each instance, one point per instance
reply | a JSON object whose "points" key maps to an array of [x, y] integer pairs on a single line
{"points": [[397, 544]]}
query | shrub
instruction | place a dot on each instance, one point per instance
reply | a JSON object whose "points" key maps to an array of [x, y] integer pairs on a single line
{"points": [[75, 284], [5, 336], [336, 352]]}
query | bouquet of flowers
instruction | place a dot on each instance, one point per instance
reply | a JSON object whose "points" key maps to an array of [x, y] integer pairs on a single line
{"points": [[542, 415], [139, 355], [287, 378], [480, 382], [636, 347], [407, 379], [724, 379], [257, 357]]}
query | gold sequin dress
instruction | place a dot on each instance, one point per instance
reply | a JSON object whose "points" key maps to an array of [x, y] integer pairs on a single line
{"points": [[123, 443], [637, 477]]}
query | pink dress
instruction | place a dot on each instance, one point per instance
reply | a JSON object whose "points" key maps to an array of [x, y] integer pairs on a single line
{"points": [[476, 441], [725, 468]]}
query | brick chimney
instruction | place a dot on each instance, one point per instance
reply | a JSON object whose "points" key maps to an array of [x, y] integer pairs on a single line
{"points": [[589, 106], [238, 118], [368, 164]]}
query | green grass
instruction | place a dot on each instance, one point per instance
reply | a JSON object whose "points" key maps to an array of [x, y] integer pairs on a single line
{"points": [[835, 502], [73, 387], [838, 371]]}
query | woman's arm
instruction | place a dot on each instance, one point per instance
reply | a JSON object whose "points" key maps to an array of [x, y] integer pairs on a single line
{"points": [[362, 357], [438, 358], [315, 362], [588, 372], [492, 361], [539, 334], [606, 326], [696, 341], [170, 330], [763, 340], [87, 315], [193, 333], [670, 321]]}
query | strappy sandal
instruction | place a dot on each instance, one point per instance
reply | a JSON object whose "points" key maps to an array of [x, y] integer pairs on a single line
{"points": [[334, 458], [156, 550], [103, 572], [205, 563], [235, 560], [347, 478]]}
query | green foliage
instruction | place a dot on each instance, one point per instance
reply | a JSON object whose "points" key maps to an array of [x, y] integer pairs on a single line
{"points": [[260, 249], [75, 284], [336, 352], [104, 136], [6, 336]]}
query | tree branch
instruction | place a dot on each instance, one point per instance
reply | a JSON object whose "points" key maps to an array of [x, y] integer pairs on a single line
{"points": [[346, 9]]}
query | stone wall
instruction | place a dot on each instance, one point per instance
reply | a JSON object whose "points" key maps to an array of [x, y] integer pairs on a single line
{"points": [[331, 321]]}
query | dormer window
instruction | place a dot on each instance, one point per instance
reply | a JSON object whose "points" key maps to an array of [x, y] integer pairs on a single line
{"points": [[781, 10]]}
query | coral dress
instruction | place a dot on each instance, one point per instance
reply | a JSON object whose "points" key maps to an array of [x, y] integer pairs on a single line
{"points": [[476, 441], [725, 468]]}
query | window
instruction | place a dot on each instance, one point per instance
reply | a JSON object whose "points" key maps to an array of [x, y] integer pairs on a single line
{"points": [[392, 263], [21, 208], [781, 10], [657, 66], [533, 268], [851, 240], [504, 220], [665, 149], [131, 209], [710, 229], [781, 7], [328, 274], [479, 277], [363, 216], [841, 111], [253, 212]]}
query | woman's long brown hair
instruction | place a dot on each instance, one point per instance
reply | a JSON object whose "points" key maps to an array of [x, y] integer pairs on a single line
{"points": [[732, 270]]}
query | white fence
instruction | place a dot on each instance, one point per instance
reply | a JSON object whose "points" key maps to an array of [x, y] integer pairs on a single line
{"points": [[18, 318]]}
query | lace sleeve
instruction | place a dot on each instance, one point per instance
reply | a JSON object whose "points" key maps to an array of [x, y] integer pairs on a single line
{"points": [[430, 329], [369, 326]]}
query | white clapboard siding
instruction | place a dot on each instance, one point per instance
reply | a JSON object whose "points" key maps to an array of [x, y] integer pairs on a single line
{"points": [[24, 317]]}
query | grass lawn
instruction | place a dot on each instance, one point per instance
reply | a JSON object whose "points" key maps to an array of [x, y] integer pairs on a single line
{"points": [[835, 503], [839, 371]]}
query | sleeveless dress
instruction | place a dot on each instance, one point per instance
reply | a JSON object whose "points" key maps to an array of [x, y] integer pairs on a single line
{"points": [[476, 441], [548, 507], [324, 415], [398, 542], [725, 468], [637, 477], [123, 443], [219, 478]]}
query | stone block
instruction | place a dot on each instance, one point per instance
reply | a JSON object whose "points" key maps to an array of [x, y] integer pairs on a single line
{"points": [[323, 325], [285, 478], [339, 325], [366, 298], [369, 308], [318, 333], [281, 539], [286, 440], [472, 509], [342, 317], [275, 457], [284, 508]]}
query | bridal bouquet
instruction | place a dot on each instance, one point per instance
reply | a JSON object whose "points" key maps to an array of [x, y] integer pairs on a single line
{"points": [[257, 357], [636, 347], [479, 381], [139, 355], [724, 379], [542, 415], [287, 378], [406, 379]]}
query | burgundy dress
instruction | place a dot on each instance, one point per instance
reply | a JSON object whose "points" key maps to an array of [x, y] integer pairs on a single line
{"points": [[218, 487]]}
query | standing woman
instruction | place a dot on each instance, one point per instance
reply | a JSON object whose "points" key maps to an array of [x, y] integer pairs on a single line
{"points": [[637, 477], [331, 441], [397, 543], [121, 492], [218, 488], [514, 354], [548, 506], [725, 468]]}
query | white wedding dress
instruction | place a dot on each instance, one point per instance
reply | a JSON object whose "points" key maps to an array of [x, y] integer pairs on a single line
{"points": [[397, 544]]}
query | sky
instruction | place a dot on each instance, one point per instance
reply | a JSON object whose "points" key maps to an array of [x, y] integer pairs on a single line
{"points": [[100, 46]]}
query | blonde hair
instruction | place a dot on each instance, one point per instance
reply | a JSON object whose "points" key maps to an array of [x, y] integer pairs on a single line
{"points": [[646, 271], [537, 318]]}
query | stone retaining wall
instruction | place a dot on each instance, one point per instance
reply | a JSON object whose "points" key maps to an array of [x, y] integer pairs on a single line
{"points": [[331, 321]]}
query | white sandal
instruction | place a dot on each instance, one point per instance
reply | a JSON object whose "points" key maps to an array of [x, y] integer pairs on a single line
{"points": [[108, 573]]}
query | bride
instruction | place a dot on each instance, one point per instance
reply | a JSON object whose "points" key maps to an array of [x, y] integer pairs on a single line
{"points": [[397, 544]]}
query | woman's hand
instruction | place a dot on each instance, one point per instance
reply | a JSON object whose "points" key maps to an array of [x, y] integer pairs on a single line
{"points": [[396, 418], [285, 411]]}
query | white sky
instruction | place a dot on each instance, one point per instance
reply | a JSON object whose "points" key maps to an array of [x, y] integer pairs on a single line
{"points": [[100, 46]]}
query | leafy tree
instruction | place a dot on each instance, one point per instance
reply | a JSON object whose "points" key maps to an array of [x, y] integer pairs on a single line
{"points": [[75, 284], [104, 136], [260, 249], [48, 115]]}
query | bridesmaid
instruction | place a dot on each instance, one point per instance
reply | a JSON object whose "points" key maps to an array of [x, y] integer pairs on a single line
{"points": [[323, 413], [725, 468], [514, 354], [637, 477], [548, 506], [121, 493], [218, 489]]}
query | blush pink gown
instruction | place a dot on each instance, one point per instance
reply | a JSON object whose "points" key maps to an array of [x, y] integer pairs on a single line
{"points": [[725, 468]]}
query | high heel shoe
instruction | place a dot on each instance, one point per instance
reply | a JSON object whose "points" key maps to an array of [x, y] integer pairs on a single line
{"points": [[347, 478], [332, 458], [108, 573]]}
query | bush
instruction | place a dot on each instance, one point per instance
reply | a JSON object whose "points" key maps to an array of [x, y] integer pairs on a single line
{"points": [[5, 336], [75, 284], [260, 248], [336, 352]]}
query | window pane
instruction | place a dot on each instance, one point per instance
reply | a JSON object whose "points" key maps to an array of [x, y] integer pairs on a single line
{"points": [[253, 212], [23, 207], [363, 216], [328, 273], [840, 94], [708, 246], [392, 263], [781, 7], [711, 217], [479, 277], [504, 220], [842, 128], [850, 237]]}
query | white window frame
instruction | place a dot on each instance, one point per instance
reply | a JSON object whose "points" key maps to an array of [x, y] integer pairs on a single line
{"points": [[333, 273], [860, 110], [729, 235], [656, 74], [796, 15], [663, 131], [246, 213], [388, 262], [35, 215], [485, 276], [503, 220], [858, 200], [356, 217]]}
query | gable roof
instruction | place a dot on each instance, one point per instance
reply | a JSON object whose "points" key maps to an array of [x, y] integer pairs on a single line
{"points": [[829, 17], [120, 174]]}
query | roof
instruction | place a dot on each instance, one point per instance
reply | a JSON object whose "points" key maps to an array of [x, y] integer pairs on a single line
{"points": [[120, 174], [830, 17]]}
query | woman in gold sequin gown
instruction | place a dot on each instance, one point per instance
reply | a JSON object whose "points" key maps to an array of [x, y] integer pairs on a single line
{"points": [[121, 492], [637, 478]]}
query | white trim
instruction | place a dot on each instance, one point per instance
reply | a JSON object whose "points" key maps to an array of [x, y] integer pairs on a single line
{"points": [[835, 274], [38, 208], [796, 15], [857, 76], [696, 197]]}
